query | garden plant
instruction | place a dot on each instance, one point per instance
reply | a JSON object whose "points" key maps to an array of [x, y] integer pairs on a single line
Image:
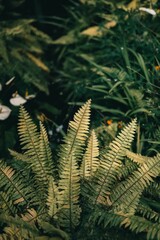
{"points": [[82, 194]]}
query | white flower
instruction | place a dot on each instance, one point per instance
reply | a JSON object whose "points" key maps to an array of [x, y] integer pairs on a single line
{"points": [[17, 100], [4, 112], [148, 10], [31, 96]]}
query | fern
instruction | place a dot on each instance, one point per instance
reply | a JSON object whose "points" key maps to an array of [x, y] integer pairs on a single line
{"points": [[28, 134], [69, 183], [119, 190], [137, 158], [126, 196], [148, 213], [52, 198], [36, 149], [16, 190], [90, 160], [110, 163]]}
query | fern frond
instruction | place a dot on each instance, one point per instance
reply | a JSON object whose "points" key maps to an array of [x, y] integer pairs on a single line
{"points": [[111, 162], [6, 204], [69, 183], [14, 186], [153, 190], [90, 160], [137, 158], [28, 134], [36, 149], [135, 223], [125, 196], [52, 198], [45, 151], [126, 170], [148, 213], [76, 135], [140, 224], [20, 156]]}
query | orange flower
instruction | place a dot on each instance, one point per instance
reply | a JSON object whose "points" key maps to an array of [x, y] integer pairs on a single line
{"points": [[109, 122], [157, 68]]}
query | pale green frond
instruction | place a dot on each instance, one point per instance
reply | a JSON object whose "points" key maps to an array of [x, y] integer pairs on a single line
{"points": [[28, 134], [90, 160], [20, 156], [36, 149], [71, 152], [45, 151], [52, 202], [69, 187], [76, 135], [111, 162], [137, 158], [125, 197]]}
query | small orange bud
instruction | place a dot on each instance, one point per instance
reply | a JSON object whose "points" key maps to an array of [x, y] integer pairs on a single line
{"points": [[109, 122], [157, 68]]}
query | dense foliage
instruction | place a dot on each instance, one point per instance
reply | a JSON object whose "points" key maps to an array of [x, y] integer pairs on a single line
{"points": [[101, 181], [110, 52]]}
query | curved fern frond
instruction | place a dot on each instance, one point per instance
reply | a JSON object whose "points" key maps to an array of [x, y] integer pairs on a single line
{"points": [[148, 213], [76, 135], [125, 196], [90, 160], [111, 162], [37, 152], [137, 158], [14, 186], [20, 156], [140, 224], [135, 223], [71, 151]]}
